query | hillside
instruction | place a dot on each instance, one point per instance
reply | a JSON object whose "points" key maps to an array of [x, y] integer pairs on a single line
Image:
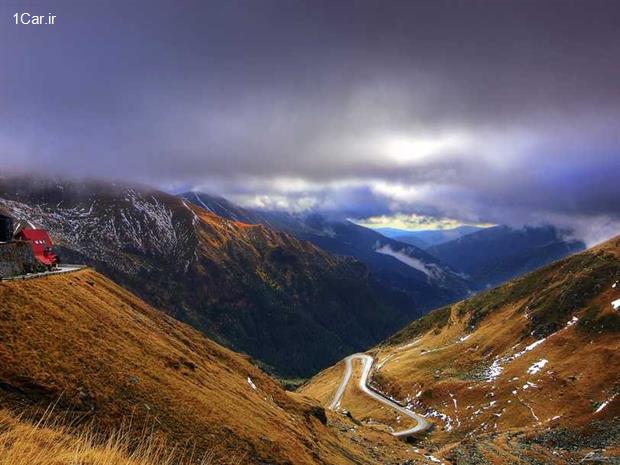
{"points": [[524, 373], [285, 302], [105, 359], [495, 255], [397, 266], [49, 442]]}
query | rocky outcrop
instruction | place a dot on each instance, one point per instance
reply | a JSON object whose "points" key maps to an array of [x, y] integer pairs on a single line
{"points": [[16, 258]]}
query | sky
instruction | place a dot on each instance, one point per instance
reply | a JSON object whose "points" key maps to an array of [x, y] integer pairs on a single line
{"points": [[414, 222], [467, 111]]}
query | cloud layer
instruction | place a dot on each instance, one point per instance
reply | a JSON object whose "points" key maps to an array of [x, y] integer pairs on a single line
{"points": [[500, 112]]}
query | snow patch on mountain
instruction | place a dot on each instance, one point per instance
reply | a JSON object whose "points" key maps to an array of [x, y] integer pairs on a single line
{"points": [[605, 404], [496, 368], [536, 367], [446, 419], [105, 227]]}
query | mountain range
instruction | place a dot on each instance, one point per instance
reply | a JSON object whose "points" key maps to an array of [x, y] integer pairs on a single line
{"points": [[494, 255], [296, 292], [522, 373], [398, 266], [290, 305], [449, 266], [429, 237]]}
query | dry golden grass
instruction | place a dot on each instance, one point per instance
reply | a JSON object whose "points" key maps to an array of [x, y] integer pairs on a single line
{"points": [[48, 442], [105, 357]]}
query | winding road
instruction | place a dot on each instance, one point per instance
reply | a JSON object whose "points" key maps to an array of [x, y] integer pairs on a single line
{"points": [[367, 361]]}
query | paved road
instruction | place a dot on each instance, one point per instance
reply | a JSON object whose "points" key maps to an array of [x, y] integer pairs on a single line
{"points": [[367, 361], [59, 270]]}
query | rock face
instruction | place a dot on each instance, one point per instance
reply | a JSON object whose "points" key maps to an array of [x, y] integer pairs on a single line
{"points": [[16, 258], [284, 301]]}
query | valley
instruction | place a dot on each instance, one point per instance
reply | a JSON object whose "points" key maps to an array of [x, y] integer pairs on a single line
{"points": [[310, 232], [397, 266], [513, 375], [435, 268], [79, 350], [520, 373]]}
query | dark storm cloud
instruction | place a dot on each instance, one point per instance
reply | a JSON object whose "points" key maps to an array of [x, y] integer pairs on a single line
{"points": [[480, 110]]}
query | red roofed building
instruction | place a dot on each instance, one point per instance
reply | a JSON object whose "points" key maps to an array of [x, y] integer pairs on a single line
{"points": [[41, 245]]}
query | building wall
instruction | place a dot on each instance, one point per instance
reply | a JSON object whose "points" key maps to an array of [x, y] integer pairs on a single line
{"points": [[16, 258]]}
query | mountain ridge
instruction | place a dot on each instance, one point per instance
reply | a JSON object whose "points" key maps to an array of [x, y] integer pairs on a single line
{"points": [[508, 252], [397, 265]]}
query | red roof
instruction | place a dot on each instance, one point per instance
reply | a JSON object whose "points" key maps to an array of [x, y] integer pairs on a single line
{"points": [[41, 245]]}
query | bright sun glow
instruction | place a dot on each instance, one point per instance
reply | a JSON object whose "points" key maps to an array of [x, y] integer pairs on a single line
{"points": [[413, 222], [406, 149]]}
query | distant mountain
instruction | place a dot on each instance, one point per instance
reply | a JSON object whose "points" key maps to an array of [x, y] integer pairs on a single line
{"points": [[284, 301], [520, 374], [495, 255], [427, 238], [398, 266]]}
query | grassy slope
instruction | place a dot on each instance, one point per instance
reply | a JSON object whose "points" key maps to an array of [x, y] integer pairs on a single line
{"points": [[50, 443], [107, 357], [505, 419]]}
